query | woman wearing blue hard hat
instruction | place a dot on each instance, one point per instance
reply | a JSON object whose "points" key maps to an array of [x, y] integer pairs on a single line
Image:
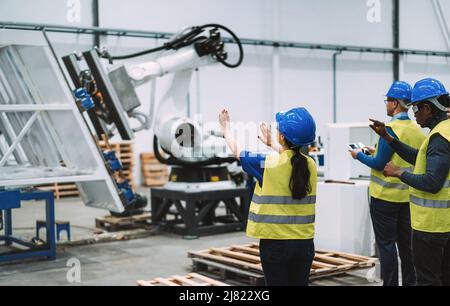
{"points": [[282, 211], [429, 183]]}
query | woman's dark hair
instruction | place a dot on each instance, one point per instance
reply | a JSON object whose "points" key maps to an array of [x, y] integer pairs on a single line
{"points": [[299, 182]]}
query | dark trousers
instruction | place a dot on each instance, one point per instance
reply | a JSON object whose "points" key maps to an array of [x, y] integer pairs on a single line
{"points": [[286, 262], [431, 253], [392, 227]]}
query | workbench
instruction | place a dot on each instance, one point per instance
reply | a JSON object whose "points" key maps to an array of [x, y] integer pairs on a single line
{"points": [[10, 200]]}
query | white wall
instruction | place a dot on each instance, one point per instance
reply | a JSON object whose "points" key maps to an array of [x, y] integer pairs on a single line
{"points": [[270, 80], [420, 30]]}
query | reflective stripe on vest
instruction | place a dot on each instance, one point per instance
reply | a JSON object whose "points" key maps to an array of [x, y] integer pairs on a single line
{"points": [[430, 203], [392, 189], [285, 200], [430, 212], [384, 184], [281, 219]]}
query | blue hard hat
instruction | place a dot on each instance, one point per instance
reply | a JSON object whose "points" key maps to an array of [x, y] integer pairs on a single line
{"points": [[427, 89], [400, 90], [297, 125]]}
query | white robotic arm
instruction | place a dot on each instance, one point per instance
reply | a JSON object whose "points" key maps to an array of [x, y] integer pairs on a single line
{"points": [[178, 135], [183, 59]]}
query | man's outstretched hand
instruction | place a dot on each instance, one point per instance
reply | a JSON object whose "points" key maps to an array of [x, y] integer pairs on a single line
{"points": [[380, 128]]}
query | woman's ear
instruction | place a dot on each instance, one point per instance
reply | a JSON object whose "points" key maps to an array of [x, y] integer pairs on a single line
{"points": [[281, 139]]}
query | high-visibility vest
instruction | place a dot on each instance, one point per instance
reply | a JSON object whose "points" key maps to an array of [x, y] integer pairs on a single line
{"points": [[274, 214], [431, 212], [392, 189]]}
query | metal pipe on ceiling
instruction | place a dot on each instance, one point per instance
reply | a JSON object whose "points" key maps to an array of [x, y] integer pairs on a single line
{"points": [[244, 41]]}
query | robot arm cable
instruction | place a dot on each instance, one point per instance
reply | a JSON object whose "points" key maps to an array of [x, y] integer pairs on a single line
{"points": [[173, 44], [186, 39]]}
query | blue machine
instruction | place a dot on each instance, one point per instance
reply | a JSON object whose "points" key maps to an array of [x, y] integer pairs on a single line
{"points": [[126, 191], [112, 162], [84, 98], [11, 199], [114, 165]]}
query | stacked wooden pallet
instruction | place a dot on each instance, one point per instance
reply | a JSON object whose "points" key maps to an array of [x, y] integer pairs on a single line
{"points": [[242, 263], [115, 224], [124, 152], [192, 279], [62, 190], [154, 173]]}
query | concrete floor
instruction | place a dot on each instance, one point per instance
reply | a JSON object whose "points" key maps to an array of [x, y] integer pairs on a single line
{"points": [[116, 263]]}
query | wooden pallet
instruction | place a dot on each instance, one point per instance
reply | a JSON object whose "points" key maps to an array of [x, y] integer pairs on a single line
{"points": [[239, 260], [225, 272], [62, 190], [115, 224], [192, 279], [154, 173]]}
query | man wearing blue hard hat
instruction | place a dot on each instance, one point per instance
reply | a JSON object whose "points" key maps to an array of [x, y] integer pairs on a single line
{"points": [[429, 182], [282, 211], [389, 197]]}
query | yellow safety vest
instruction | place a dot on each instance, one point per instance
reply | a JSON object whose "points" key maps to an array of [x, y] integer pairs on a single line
{"points": [[431, 212], [392, 189], [274, 214]]}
